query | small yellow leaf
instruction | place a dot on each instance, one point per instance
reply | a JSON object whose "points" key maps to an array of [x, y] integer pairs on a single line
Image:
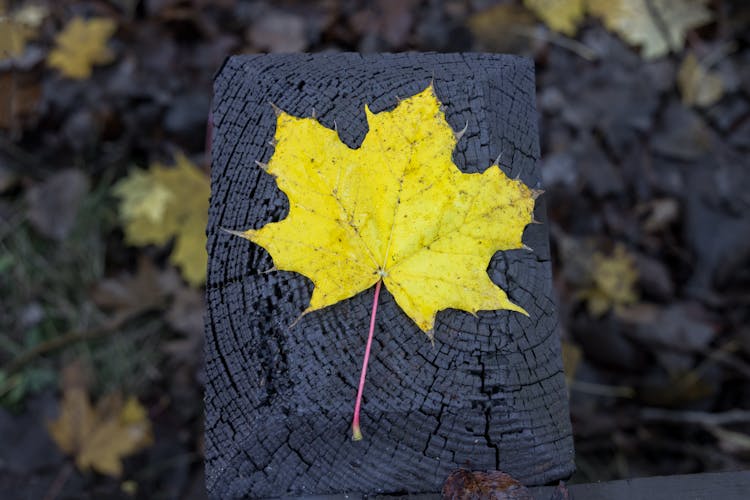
{"points": [[100, 438], [563, 16], [657, 27], [613, 283], [698, 86], [164, 203], [397, 209], [18, 27], [81, 45], [147, 198]]}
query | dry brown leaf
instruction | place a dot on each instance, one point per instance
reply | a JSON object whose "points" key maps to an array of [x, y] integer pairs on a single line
{"points": [[698, 86], [53, 204], [20, 95], [571, 356], [562, 16], [129, 294], [497, 485], [185, 316], [99, 438], [502, 28], [635, 22], [81, 46]]}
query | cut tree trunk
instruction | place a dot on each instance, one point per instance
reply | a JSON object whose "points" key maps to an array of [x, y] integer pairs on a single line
{"points": [[488, 394]]}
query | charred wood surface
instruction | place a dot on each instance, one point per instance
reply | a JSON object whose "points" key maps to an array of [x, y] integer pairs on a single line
{"points": [[489, 394]]}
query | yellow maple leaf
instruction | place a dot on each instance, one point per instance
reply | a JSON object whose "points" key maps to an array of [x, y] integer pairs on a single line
{"points": [[613, 282], [164, 203], [698, 85], [99, 438], [658, 26], [396, 209], [563, 16], [81, 45]]}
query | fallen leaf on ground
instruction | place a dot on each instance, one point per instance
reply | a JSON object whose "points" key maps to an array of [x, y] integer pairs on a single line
{"points": [[186, 317], [613, 282], [496, 485], [281, 32], [54, 204], [571, 357], [698, 86], [563, 16], [396, 209], [81, 46], [18, 27], [127, 294], [657, 26], [396, 18], [503, 28], [99, 438], [162, 203], [658, 214], [684, 135], [20, 95]]}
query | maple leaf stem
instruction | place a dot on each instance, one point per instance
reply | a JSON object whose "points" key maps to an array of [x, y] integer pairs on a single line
{"points": [[356, 432]]}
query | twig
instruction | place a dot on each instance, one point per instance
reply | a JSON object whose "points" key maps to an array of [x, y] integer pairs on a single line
{"points": [[64, 340], [574, 46], [704, 418], [612, 391]]}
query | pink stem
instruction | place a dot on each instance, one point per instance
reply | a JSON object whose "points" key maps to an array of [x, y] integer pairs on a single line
{"points": [[356, 433]]}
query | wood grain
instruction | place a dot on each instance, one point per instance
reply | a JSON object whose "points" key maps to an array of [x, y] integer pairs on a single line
{"points": [[489, 394]]}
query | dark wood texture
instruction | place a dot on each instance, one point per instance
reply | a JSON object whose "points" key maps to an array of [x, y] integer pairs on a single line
{"points": [[490, 392]]}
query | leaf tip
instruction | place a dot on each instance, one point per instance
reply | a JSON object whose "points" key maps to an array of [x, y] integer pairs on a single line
{"points": [[262, 165], [241, 234], [276, 110], [520, 309]]}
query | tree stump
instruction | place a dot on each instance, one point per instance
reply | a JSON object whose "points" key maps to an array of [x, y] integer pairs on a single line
{"points": [[488, 394]]}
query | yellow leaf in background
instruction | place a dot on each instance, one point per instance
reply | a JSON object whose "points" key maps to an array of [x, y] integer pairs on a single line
{"points": [[81, 45], [563, 16], [614, 279], [395, 209], [162, 203], [147, 199], [18, 27], [635, 22], [698, 85], [99, 438], [503, 28]]}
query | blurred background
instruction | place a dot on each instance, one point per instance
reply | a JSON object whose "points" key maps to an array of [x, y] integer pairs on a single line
{"points": [[644, 111]]}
